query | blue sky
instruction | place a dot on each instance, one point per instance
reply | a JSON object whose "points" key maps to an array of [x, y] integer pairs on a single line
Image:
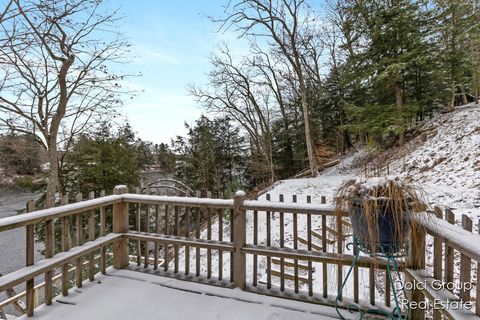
{"points": [[171, 41]]}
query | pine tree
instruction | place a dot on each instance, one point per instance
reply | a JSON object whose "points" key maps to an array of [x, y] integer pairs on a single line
{"points": [[452, 17], [387, 66], [211, 157]]}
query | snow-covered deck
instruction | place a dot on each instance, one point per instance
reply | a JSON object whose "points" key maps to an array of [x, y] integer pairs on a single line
{"points": [[128, 295]]}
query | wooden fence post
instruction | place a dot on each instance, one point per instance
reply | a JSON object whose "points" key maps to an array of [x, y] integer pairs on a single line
{"points": [[29, 262], [49, 239], [416, 260], [120, 225], [239, 240]]}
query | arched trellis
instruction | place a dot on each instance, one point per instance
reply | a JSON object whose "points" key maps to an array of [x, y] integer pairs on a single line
{"points": [[178, 186]]}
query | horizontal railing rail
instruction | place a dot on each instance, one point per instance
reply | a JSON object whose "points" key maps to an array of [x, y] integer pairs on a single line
{"points": [[39, 216]]}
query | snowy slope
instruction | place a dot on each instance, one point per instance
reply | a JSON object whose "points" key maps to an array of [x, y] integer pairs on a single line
{"points": [[444, 161], [448, 163]]}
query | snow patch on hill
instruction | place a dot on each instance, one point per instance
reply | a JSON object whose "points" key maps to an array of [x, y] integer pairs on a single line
{"points": [[444, 161], [447, 164]]}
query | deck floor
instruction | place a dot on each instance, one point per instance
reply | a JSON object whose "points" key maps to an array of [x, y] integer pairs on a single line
{"points": [[129, 295]]}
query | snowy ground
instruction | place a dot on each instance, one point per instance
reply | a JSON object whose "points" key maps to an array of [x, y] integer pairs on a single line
{"points": [[447, 164], [153, 297]]}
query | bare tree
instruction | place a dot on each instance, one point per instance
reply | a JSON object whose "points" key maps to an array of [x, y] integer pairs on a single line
{"points": [[55, 71], [232, 90], [289, 24]]}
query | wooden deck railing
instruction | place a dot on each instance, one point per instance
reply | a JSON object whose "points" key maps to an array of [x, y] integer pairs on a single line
{"points": [[290, 250]]}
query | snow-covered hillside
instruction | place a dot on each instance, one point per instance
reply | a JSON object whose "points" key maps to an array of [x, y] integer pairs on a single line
{"points": [[444, 160], [447, 164]]}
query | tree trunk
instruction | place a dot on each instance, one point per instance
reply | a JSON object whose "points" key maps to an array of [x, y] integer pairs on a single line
{"points": [[399, 107], [464, 95], [452, 100], [269, 154], [477, 95], [308, 137], [52, 154]]}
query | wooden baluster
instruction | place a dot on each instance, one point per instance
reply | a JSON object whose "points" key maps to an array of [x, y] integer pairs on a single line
{"points": [[103, 232], [282, 244], [65, 247], [295, 245], [437, 249], [209, 237], [416, 260], [309, 247], [29, 262], [167, 219], [449, 251], [239, 240], [465, 262], [372, 284], [355, 280], [477, 296], [157, 231], [177, 233], [387, 289], [197, 236], [91, 237], [187, 248], [146, 252], [324, 249], [255, 242], [49, 236], [220, 238], [138, 221], [232, 225], [79, 242], [340, 252], [437, 259], [269, 243], [167, 232]]}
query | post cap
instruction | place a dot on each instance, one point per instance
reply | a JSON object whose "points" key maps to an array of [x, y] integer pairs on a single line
{"points": [[120, 189], [240, 193]]}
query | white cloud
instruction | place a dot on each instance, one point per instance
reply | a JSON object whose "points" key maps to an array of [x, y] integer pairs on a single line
{"points": [[147, 54]]}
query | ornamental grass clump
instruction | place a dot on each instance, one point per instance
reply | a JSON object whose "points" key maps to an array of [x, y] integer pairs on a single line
{"points": [[382, 212]]}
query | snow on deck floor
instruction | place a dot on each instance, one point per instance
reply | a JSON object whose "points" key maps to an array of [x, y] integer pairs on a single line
{"points": [[128, 295]]}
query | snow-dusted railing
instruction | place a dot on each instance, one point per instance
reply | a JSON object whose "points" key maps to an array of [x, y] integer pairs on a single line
{"points": [[256, 233], [303, 248], [290, 250], [444, 268], [59, 222]]}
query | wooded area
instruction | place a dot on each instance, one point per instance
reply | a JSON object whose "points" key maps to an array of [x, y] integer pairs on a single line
{"points": [[316, 81]]}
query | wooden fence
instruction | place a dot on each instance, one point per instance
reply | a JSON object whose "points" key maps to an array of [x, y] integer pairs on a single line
{"points": [[245, 244]]}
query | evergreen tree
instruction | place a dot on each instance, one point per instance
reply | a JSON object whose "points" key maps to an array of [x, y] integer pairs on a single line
{"points": [[211, 157], [389, 70], [105, 158], [452, 18]]}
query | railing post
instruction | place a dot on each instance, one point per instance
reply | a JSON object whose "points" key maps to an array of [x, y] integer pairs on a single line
{"points": [[239, 240], [30, 297], [416, 260], [120, 225]]}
